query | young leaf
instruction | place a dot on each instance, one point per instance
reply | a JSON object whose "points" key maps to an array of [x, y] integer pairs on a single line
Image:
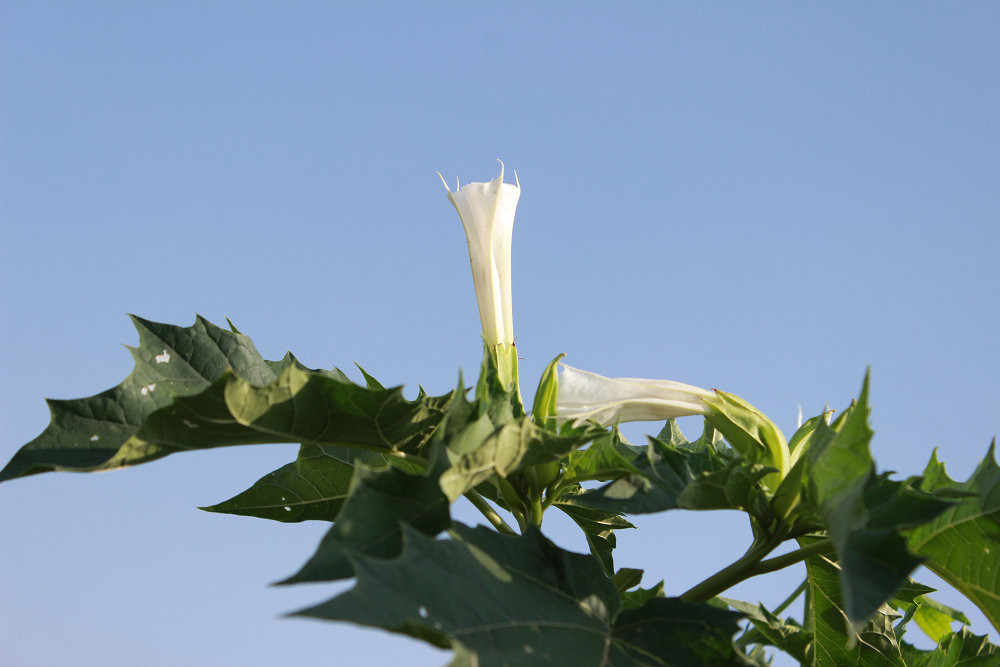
{"points": [[523, 601], [963, 544]]}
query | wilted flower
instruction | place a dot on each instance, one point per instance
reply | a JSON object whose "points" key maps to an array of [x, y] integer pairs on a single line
{"points": [[487, 212], [583, 395]]}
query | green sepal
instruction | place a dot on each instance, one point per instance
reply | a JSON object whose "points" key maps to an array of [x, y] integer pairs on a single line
{"points": [[751, 433], [543, 411]]}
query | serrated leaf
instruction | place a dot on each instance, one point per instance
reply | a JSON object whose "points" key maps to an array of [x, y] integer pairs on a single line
{"points": [[313, 487], [515, 445], [959, 649], [865, 512], [607, 457], [963, 544], [672, 477], [598, 526], [546, 606], [308, 406], [174, 366], [370, 523], [837, 640], [785, 635]]}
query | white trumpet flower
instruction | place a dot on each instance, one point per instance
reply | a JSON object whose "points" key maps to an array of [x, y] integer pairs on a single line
{"points": [[487, 212], [584, 395]]}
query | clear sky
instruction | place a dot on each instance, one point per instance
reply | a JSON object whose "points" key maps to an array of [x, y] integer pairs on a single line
{"points": [[763, 198]]}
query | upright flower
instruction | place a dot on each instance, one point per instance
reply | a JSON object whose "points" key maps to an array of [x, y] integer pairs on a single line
{"points": [[487, 213]]}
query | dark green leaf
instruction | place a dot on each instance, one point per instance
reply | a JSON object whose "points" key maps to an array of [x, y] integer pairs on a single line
{"points": [[314, 486], [369, 523], [672, 477], [865, 512], [599, 527], [785, 635], [174, 366], [545, 606]]}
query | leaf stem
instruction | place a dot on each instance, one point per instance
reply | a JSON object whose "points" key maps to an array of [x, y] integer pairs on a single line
{"points": [[778, 562], [791, 598], [480, 503]]}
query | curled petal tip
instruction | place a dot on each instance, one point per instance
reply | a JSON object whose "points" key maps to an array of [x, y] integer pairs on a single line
{"points": [[501, 170], [443, 181]]}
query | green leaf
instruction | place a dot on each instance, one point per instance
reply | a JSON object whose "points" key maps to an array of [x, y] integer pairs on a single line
{"points": [[202, 386], [837, 640], [785, 635], [935, 619], [380, 502], [176, 386], [672, 477], [959, 649], [865, 512], [513, 446], [607, 457], [309, 406], [314, 486], [963, 544], [599, 527], [545, 606]]}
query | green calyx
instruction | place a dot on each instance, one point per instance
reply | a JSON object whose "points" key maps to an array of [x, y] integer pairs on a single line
{"points": [[751, 433]]}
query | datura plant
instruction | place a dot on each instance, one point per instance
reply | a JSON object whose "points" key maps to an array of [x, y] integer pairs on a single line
{"points": [[384, 471]]}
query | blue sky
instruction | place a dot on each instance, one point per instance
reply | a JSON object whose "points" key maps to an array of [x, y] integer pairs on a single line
{"points": [[764, 198]]}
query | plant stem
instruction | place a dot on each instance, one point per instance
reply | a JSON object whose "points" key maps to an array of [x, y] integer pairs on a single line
{"points": [[791, 598], [489, 512], [741, 569], [536, 511], [816, 548]]}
